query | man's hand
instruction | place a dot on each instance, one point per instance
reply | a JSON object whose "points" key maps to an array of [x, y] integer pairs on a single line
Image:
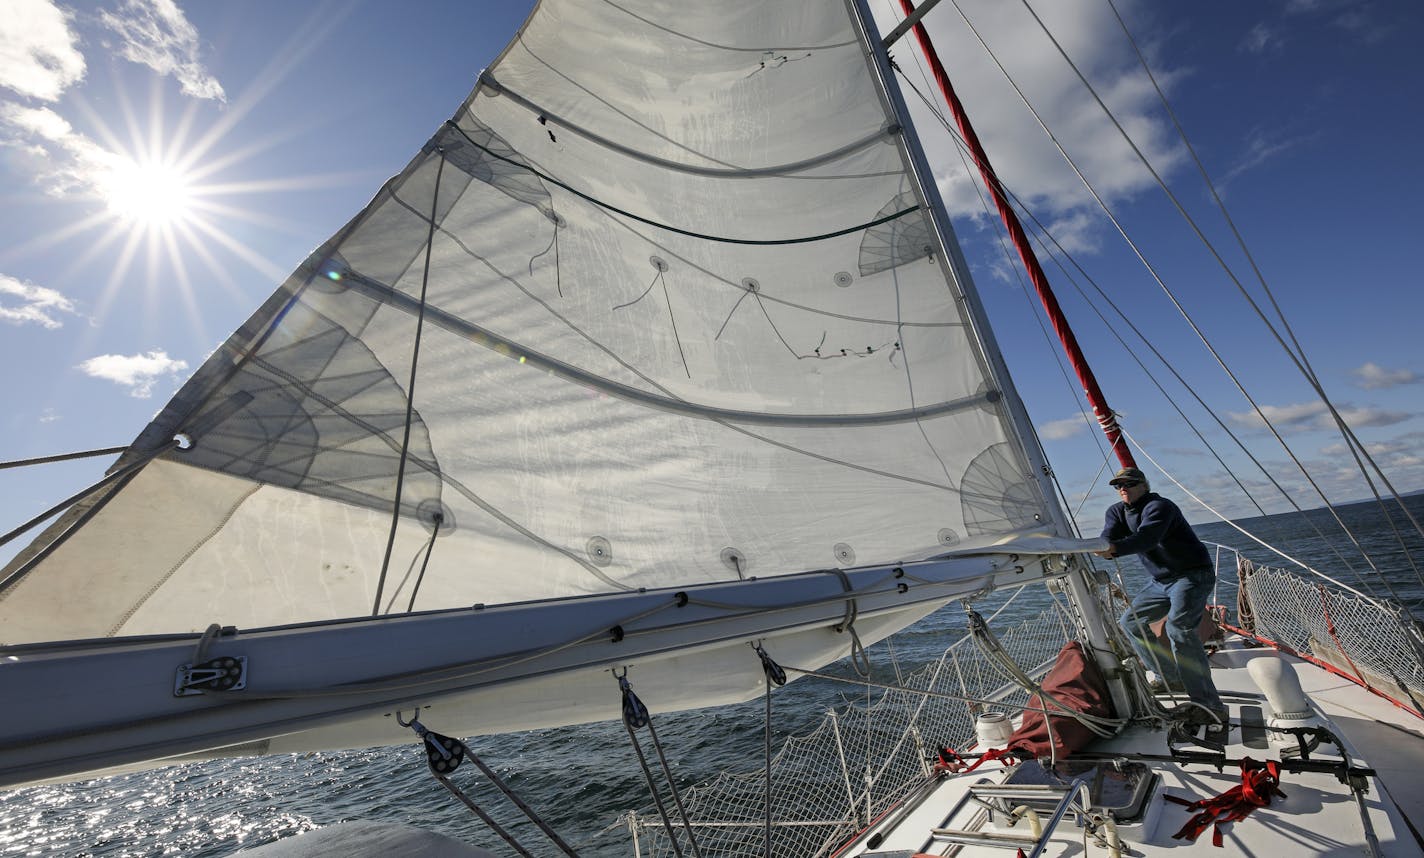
{"points": [[1108, 552]]}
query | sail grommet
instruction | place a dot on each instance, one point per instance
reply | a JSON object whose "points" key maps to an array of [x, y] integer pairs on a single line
{"points": [[600, 551], [947, 536], [842, 279], [436, 516], [750, 284], [736, 561], [659, 263], [183, 441], [845, 555]]}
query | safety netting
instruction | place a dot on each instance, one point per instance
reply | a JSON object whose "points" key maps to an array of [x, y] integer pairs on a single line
{"points": [[1374, 642], [864, 758]]}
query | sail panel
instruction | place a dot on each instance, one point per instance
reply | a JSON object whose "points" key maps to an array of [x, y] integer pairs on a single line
{"points": [[680, 323]]}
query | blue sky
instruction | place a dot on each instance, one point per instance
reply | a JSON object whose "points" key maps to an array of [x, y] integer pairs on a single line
{"points": [[273, 122]]}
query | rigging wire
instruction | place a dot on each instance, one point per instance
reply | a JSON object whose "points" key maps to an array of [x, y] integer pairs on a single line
{"points": [[1211, 248], [1058, 254], [1357, 449], [1256, 539], [1201, 335], [118, 476], [1053, 347], [62, 457], [410, 387]]}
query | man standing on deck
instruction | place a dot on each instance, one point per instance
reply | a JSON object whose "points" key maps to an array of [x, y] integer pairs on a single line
{"points": [[1148, 524]]}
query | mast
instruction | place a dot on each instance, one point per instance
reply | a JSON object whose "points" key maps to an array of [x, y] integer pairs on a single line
{"points": [[1104, 415], [1094, 623]]}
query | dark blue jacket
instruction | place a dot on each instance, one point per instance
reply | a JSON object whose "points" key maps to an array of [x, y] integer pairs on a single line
{"points": [[1155, 528]]}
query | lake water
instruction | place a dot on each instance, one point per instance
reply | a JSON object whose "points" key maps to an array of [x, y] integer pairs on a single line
{"points": [[580, 778]]}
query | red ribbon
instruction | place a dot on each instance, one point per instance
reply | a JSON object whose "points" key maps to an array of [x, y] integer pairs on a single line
{"points": [[1259, 782], [949, 761]]}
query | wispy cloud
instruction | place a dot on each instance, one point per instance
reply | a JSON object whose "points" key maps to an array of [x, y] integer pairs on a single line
{"points": [[1361, 19], [1314, 415], [1058, 430], [139, 373], [156, 34], [39, 54], [1363, 26], [1260, 39], [1261, 146], [1372, 376], [23, 303]]}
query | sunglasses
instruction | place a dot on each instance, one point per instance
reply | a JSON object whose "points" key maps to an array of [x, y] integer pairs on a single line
{"points": [[1126, 484]]}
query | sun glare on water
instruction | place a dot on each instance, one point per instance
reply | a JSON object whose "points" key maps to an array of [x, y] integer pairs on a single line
{"points": [[150, 194]]}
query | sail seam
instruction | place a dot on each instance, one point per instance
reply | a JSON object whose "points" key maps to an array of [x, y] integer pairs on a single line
{"points": [[726, 172], [670, 228]]}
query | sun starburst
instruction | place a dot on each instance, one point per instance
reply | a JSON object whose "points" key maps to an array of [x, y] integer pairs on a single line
{"points": [[148, 194]]}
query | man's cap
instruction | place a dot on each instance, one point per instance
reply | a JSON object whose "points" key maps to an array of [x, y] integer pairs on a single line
{"points": [[1127, 475]]}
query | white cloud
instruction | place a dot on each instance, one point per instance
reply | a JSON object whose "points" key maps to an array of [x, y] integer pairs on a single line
{"points": [[1372, 376], [1026, 161], [63, 161], [137, 372], [1314, 415], [1058, 430], [25, 303], [39, 57], [156, 34]]}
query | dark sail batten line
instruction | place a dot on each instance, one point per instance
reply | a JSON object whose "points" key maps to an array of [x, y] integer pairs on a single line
{"points": [[726, 171], [481, 336], [722, 239]]}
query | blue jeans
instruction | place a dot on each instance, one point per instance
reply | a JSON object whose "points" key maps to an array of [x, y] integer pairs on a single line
{"points": [[1182, 602]]}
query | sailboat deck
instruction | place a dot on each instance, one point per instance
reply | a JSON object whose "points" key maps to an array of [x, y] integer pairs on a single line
{"points": [[1317, 815]]}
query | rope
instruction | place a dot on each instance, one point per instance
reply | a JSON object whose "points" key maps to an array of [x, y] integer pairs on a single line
{"points": [[774, 676], [62, 457], [117, 476], [858, 658], [443, 755], [410, 388], [723, 239], [636, 716], [439, 519], [111, 478]]}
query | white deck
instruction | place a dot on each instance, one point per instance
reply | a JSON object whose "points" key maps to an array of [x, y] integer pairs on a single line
{"points": [[1318, 816]]}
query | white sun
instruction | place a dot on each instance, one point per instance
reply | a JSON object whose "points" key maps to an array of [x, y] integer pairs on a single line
{"points": [[148, 194]]}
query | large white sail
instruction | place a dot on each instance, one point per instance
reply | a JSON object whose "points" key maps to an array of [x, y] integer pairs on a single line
{"points": [[683, 322]]}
